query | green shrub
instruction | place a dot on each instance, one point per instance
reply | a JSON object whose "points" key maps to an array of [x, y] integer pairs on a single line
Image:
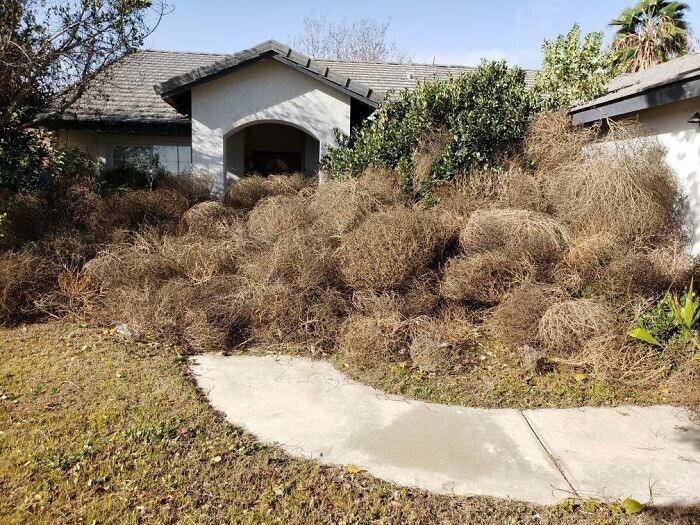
{"points": [[481, 115]]}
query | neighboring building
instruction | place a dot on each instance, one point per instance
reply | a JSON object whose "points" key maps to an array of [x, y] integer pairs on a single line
{"points": [[264, 109], [665, 100]]}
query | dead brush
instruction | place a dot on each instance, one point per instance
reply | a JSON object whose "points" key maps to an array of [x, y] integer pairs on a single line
{"points": [[366, 340], [339, 206], [244, 194], [371, 303], [566, 326], [135, 262], [521, 189], [616, 357], [193, 187], [283, 314], [485, 277], [301, 258], [276, 217], [204, 317], [201, 259], [553, 142], [515, 321], [585, 261], [422, 296], [518, 233], [209, 218], [391, 247], [683, 387], [162, 207], [25, 279], [622, 186], [431, 146], [442, 345]]}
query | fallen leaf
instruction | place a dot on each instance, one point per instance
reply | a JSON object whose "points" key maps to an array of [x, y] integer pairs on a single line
{"points": [[352, 469], [632, 506]]}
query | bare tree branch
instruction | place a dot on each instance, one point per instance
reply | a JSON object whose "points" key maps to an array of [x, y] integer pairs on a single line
{"points": [[51, 50], [363, 39]]}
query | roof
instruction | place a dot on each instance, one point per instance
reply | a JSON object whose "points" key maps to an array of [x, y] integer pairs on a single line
{"points": [[126, 90], [126, 93], [677, 72]]}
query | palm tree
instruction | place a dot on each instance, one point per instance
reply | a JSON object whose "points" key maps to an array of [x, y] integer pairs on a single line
{"points": [[651, 32]]}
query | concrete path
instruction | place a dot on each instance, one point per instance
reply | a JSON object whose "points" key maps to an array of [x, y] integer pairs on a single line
{"points": [[542, 456]]}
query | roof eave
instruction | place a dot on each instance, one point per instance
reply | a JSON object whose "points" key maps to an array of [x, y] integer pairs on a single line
{"points": [[654, 96], [175, 91]]}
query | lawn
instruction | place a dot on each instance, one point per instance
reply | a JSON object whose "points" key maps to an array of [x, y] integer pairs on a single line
{"points": [[96, 429]]}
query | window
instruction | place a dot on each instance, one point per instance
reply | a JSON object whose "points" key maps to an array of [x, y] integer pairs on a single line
{"points": [[166, 159]]}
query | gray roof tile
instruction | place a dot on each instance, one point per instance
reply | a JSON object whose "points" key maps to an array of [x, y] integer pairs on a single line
{"points": [[126, 91]]}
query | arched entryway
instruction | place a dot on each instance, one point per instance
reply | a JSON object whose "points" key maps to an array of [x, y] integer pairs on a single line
{"points": [[269, 148]]}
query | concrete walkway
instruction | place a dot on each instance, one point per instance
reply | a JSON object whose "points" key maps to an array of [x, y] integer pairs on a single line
{"points": [[542, 456]]}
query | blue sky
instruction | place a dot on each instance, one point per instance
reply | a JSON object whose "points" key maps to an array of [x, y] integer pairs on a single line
{"points": [[451, 31]]}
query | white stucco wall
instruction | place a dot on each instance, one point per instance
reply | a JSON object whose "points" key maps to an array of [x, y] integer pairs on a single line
{"points": [[100, 145], [669, 123], [265, 92]]}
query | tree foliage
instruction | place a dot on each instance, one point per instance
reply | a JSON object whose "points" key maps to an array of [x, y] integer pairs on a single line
{"points": [[651, 32], [470, 119], [363, 39], [50, 51], [574, 69]]}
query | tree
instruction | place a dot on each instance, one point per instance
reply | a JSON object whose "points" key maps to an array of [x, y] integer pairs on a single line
{"points": [[364, 39], [50, 51], [573, 69], [651, 32]]}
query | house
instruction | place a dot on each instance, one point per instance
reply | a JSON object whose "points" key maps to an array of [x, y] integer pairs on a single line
{"points": [[665, 100], [264, 109]]}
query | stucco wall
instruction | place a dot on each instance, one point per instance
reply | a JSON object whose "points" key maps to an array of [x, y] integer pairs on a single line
{"points": [[100, 145], [265, 92], [682, 140]]}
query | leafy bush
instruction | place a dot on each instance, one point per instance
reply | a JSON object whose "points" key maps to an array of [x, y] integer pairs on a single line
{"points": [[573, 70], [479, 116]]}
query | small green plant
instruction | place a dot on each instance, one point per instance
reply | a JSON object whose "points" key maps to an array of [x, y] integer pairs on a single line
{"points": [[673, 318]]}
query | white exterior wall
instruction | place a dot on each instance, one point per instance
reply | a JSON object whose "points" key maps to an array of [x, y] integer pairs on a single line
{"points": [[101, 145], [682, 140], [265, 92]]}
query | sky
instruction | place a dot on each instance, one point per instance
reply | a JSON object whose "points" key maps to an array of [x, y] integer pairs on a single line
{"points": [[444, 31]]}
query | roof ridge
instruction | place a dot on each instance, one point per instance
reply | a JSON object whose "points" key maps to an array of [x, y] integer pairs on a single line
{"points": [[173, 51]]}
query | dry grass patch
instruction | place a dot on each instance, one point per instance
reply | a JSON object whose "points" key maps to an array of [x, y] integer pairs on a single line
{"points": [[369, 339], [443, 345], [617, 357]]}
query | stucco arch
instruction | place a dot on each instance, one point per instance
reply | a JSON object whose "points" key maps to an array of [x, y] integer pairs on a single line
{"points": [[265, 92], [254, 120], [259, 143]]}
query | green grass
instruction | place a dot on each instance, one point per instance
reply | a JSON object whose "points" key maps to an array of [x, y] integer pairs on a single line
{"points": [[94, 429]]}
